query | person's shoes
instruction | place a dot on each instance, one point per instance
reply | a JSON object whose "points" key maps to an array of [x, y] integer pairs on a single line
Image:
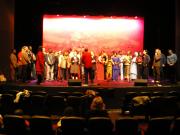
{"points": [[85, 85], [159, 85], [157, 81]]}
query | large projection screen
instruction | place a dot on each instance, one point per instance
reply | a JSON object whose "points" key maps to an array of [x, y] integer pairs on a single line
{"points": [[97, 33]]}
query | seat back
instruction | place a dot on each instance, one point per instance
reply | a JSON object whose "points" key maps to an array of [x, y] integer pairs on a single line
{"points": [[39, 92], [176, 127], [7, 104], [15, 125], [100, 126], [160, 126], [73, 125], [76, 103], [157, 93], [65, 94], [13, 92], [56, 105], [38, 104], [77, 94], [126, 126], [41, 125], [163, 106]]}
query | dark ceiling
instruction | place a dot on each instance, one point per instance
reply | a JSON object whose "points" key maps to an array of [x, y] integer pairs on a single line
{"points": [[104, 7], [90, 7]]}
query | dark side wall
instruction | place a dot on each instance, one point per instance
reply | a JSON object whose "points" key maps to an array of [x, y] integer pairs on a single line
{"points": [[28, 23], [177, 37], [6, 33]]}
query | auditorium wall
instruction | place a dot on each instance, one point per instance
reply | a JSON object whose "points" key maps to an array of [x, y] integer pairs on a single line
{"points": [[6, 33]]}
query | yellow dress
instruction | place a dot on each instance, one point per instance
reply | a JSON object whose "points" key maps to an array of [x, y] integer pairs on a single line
{"points": [[109, 70]]}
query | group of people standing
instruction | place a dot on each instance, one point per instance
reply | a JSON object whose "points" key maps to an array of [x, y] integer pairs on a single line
{"points": [[124, 66], [84, 64], [164, 68], [22, 64], [128, 66], [48, 65]]}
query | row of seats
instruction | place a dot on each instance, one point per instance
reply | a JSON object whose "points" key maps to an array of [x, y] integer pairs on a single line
{"points": [[129, 95], [158, 104], [42, 104], [43, 125], [41, 92]]}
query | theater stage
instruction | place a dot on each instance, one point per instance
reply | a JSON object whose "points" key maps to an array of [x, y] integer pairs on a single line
{"points": [[113, 92]]}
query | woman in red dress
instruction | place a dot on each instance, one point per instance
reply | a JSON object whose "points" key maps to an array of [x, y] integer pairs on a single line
{"points": [[39, 65]]}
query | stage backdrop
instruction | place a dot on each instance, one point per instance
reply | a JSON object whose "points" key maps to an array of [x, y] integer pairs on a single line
{"points": [[95, 32]]}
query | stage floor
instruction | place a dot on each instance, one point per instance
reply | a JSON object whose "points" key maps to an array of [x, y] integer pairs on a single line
{"points": [[137, 85], [97, 83]]}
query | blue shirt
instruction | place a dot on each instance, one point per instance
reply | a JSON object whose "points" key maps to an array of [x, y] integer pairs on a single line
{"points": [[171, 59]]}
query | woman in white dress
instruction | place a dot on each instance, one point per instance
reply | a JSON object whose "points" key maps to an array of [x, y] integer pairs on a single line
{"points": [[133, 67]]}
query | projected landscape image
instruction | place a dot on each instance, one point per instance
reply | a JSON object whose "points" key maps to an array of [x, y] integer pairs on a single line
{"points": [[95, 32]]}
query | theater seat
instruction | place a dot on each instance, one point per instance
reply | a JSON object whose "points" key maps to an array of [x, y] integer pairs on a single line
{"points": [[126, 126], [160, 126], [73, 126], [100, 126], [15, 125], [41, 125]]}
